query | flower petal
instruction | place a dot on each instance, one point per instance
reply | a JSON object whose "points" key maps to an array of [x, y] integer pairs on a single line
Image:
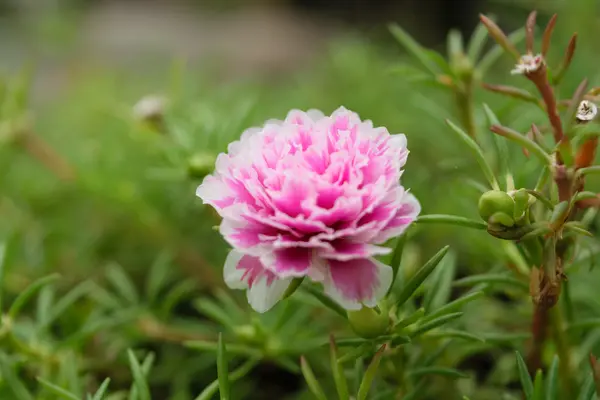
{"points": [[357, 282], [265, 293]]}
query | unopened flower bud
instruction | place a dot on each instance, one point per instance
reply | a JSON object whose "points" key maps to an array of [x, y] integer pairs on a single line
{"points": [[522, 202], [151, 110], [586, 111], [495, 201], [200, 165], [368, 322]]}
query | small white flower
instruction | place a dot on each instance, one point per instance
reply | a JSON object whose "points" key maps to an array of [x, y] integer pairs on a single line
{"points": [[586, 111], [528, 64]]}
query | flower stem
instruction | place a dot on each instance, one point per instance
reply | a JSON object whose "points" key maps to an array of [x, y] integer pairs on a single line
{"points": [[562, 348]]}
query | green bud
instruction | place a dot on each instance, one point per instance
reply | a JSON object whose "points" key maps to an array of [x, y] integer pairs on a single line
{"points": [[521, 199], [495, 201], [200, 165], [368, 322], [501, 218]]}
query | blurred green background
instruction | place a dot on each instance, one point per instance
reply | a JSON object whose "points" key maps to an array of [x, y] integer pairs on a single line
{"points": [[95, 187]]}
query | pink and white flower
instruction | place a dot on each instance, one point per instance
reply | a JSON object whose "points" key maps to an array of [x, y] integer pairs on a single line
{"points": [[314, 196], [528, 63]]}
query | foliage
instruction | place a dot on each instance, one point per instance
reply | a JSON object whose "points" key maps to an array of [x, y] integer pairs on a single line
{"points": [[110, 281]]}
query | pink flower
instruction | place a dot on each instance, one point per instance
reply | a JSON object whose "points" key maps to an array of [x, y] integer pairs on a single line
{"points": [[311, 196]]}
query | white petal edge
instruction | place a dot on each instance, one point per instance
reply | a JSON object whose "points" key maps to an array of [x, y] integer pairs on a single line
{"points": [[231, 274], [262, 297]]}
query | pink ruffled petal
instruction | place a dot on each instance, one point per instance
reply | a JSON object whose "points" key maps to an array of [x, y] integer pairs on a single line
{"points": [[358, 282]]}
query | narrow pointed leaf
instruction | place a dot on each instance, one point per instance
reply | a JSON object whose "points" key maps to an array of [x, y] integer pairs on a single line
{"points": [[99, 395], [529, 31], [538, 386], [450, 333], [411, 319], [369, 376], [451, 220], [396, 259], [325, 300], [417, 279], [141, 385], [15, 385], [421, 329], [239, 373], [552, 380], [548, 35], [311, 380], [223, 370], [500, 37], [413, 48], [477, 153], [31, 290], [511, 91], [157, 278], [57, 390], [3, 262], [524, 142], [477, 41], [524, 377], [499, 143], [439, 371], [491, 279], [566, 63], [339, 378], [67, 301], [294, 285], [122, 283], [588, 390], [453, 306], [491, 57]]}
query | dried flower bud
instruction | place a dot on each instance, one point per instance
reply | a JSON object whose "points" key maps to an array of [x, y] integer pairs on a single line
{"points": [[528, 63], [586, 111], [368, 322], [493, 202]]}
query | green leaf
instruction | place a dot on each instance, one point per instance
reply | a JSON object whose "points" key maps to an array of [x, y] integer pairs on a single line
{"points": [[396, 259], [66, 301], [99, 395], [223, 370], [216, 312], [176, 294], [413, 48], [588, 389], [426, 327], [491, 279], [121, 282], [22, 299], [453, 306], [157, 277], [477, 41], [439, 371], [477, 153], [524, 377], [325, 300], [369, 376], [311, 381], [418, 392], [16, 386], [499, 143], [538, 386], [492, 56], [3, 262], [524, 142], [139, 378], [411, 319], [502, 338], [546, 201], [450, 333], [439, 286], [239, 373], [417, 279], [552, 380], [341, 385], [451, 220], [294, 285], [57, 390]]}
